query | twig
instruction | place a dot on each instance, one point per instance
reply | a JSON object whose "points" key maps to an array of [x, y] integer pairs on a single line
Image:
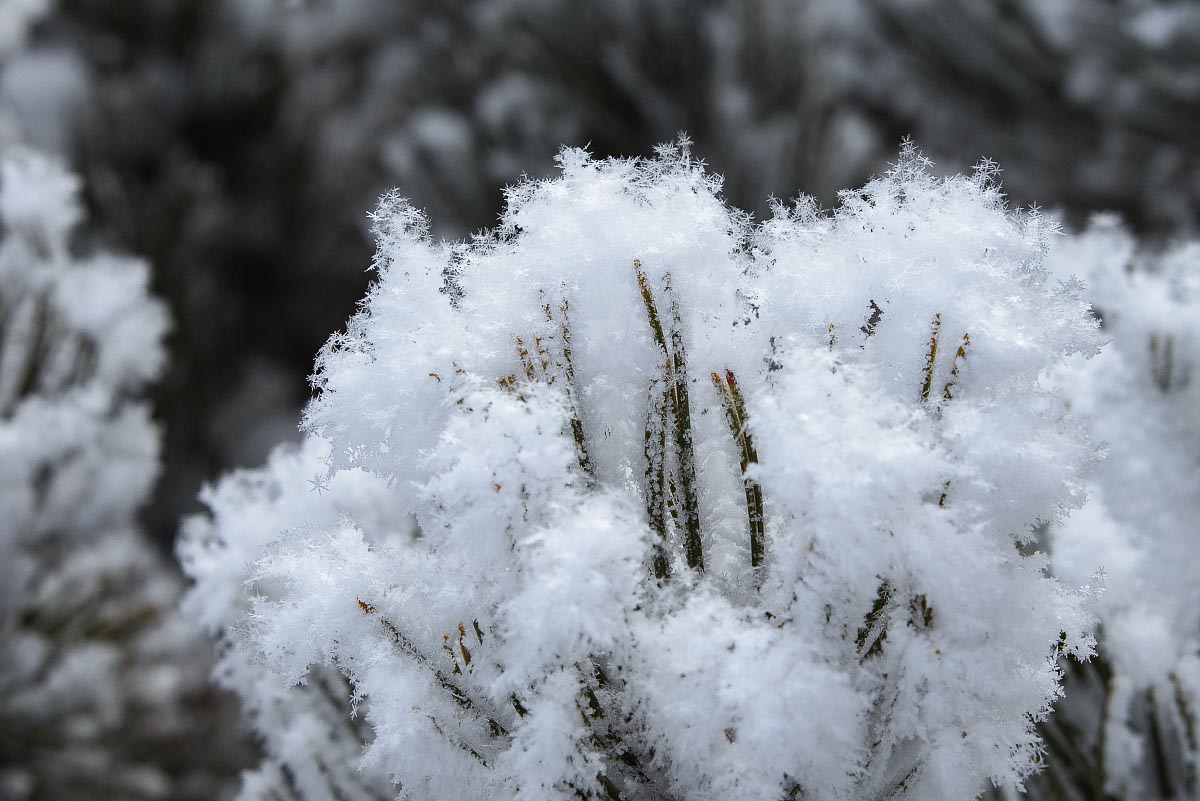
{"points": [[735, 413], [685, 454], [960, 357], [873, 632], [675, 370], [495, 728], [585, 462], [931, 357], [654, 449]]}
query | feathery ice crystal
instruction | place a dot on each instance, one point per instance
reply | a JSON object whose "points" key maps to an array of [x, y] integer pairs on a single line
{"points": [[632, 498]]}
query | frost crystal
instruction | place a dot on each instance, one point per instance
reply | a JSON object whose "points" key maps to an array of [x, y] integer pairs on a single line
{"points": [[631, 498]]}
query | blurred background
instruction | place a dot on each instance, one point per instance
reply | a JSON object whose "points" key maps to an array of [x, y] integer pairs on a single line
{"points": [[238, 145]]}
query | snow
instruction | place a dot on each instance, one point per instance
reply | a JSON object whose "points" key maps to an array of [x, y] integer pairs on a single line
{"points": [[519, 525], [1140, 398]]}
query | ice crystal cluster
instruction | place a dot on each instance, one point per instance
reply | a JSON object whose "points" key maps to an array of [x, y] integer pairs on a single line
{"points": [[634, 498], [100, 679], [1128, 723]]}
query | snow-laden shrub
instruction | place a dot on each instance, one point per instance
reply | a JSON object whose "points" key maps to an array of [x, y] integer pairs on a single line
{"points": [[631, 498], [101, 681], [1128, 723]]}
